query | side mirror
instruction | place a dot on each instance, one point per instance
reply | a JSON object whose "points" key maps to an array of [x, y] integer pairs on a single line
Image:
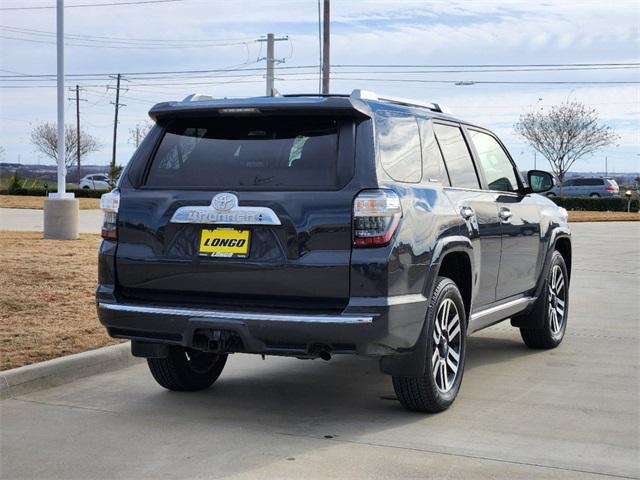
{"points": [[539, 181]]}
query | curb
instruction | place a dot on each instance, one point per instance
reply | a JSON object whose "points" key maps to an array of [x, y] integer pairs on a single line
{"points": [[50, 373]]}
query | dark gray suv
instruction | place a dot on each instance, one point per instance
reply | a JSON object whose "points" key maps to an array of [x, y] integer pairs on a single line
{"points": [[310, 226]]}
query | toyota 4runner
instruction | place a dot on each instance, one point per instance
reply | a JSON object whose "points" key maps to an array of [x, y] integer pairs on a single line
{"points": [[311, 225]]}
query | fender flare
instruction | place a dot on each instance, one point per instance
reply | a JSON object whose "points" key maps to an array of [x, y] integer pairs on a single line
{"points": [[525, 319], [412, 362]]}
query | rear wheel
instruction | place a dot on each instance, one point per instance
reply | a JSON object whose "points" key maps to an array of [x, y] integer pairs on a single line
{"points": [[185, 369], [436, 390], [594, 195], [552, 306]]}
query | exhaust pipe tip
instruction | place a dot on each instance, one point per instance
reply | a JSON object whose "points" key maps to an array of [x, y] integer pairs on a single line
{"points": [[324, 355]]}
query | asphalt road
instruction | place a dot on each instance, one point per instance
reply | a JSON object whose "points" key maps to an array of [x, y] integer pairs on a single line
{"points": [[27, 219], [568, 413]]}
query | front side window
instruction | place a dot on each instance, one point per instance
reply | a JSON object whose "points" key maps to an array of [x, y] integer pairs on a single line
{"points": [[498, 169], [399, 145], [248, 153], [457, 158]]}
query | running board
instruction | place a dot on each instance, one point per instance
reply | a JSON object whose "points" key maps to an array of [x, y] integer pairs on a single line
{"points": [[492, 315]]}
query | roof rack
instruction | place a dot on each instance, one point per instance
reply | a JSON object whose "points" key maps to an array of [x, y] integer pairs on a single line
{"points": [[368, 95]]}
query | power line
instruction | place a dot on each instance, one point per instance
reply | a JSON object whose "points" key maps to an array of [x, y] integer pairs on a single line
{"points": [[121, 39], [488, 69], [477, 65], [110, 4], [160, 72], [125, 46]]}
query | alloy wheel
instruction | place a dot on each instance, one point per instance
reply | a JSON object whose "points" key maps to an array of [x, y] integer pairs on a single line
{"points": [[557, 299], [447, 345]]}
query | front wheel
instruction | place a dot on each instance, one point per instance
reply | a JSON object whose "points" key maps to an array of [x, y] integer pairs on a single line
{"points": [[438, 387], [187, 370], [551, 309]]}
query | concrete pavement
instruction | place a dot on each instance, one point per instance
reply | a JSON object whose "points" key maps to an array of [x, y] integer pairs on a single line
{"points": [[568, 413], [26, 219]]}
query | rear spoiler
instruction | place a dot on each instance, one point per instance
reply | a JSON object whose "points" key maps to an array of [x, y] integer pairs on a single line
{"points": [[198, 105]]}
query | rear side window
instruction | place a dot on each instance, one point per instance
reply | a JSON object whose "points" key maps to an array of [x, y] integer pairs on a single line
{"points": [[432, 161], [399, 145], [268, 153], [456, 156], [589, 182]]}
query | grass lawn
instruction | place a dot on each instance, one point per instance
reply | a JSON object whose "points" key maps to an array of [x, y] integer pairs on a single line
{"points": [[23, 201], [47, 305]]}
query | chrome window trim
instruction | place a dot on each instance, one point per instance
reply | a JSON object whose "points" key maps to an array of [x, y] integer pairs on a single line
{"points": [[235, 315]]}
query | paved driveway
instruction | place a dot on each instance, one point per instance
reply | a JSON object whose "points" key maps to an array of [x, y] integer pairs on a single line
{"points": [[568, 413], [27, 219]]}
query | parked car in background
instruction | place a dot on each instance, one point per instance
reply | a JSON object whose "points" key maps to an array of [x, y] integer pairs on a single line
{"points": [[594, 187], [98, 181]]}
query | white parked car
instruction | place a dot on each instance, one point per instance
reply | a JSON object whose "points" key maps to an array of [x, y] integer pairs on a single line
{"points": [[98, 181]]}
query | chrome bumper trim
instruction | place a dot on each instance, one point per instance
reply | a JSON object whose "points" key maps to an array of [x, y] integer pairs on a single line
{"points": [[234, 315]]}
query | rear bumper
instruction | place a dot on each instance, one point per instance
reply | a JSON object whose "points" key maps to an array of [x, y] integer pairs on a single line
{"points": [[368, 326]]}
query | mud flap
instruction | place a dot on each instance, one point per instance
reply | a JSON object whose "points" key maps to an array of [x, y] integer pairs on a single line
{"points": [[409, 364]]}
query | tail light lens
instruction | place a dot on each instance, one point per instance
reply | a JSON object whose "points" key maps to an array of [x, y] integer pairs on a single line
{"points": [[611, 188], [376, 214], [109, 204]]}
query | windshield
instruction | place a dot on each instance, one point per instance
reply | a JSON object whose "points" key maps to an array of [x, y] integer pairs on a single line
{"points": [[247, 153]]}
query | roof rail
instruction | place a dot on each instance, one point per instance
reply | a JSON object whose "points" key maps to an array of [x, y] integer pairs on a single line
{"points": [[195, 97], [368, 95]]}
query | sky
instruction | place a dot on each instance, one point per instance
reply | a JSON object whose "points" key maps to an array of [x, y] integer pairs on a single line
{"points": [[437, 37]]}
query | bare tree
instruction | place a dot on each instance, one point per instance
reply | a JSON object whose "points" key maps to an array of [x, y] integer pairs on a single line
{"points": [[45, 138], [565, 134], [137, 133]]}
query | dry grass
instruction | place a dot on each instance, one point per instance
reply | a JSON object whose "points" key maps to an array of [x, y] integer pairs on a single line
{"points": [[23, 201], [47, 303], [576, 216]]}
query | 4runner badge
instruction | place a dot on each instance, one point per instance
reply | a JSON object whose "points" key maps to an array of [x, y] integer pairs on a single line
{"points": [[224, 209]]}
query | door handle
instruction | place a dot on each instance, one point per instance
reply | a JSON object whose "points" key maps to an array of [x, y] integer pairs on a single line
{"points": [[466, 212], [505, 214]]}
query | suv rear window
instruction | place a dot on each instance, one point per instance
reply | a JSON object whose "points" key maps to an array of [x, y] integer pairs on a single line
{"points": [[239, 153]]}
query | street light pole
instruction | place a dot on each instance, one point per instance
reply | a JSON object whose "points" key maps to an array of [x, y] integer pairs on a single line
{"points": [[61, 209], [60, 87]]}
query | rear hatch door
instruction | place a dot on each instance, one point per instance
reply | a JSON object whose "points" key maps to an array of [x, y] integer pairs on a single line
{"points": [[242, 211]]}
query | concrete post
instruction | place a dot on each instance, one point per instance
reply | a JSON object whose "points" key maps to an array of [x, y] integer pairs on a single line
{"points": [[61, 218]]}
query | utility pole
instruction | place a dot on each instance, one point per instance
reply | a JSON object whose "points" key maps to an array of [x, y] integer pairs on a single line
{"points": [[326, 40], [271, 61], [115, 124], [78, 100]]}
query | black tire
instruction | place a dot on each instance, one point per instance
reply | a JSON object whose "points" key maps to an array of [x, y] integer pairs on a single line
{"points": [[551, 195], [594, 195], [423, 394], [547, 336], [86, 187], [187, 370]]}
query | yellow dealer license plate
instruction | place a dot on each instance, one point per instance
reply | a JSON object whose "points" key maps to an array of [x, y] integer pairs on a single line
{"points": [[224, 242]]}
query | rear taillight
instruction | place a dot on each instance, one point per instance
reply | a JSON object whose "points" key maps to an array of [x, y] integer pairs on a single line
{"points": [[109, 203], [376, 214], [611, 188]]}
